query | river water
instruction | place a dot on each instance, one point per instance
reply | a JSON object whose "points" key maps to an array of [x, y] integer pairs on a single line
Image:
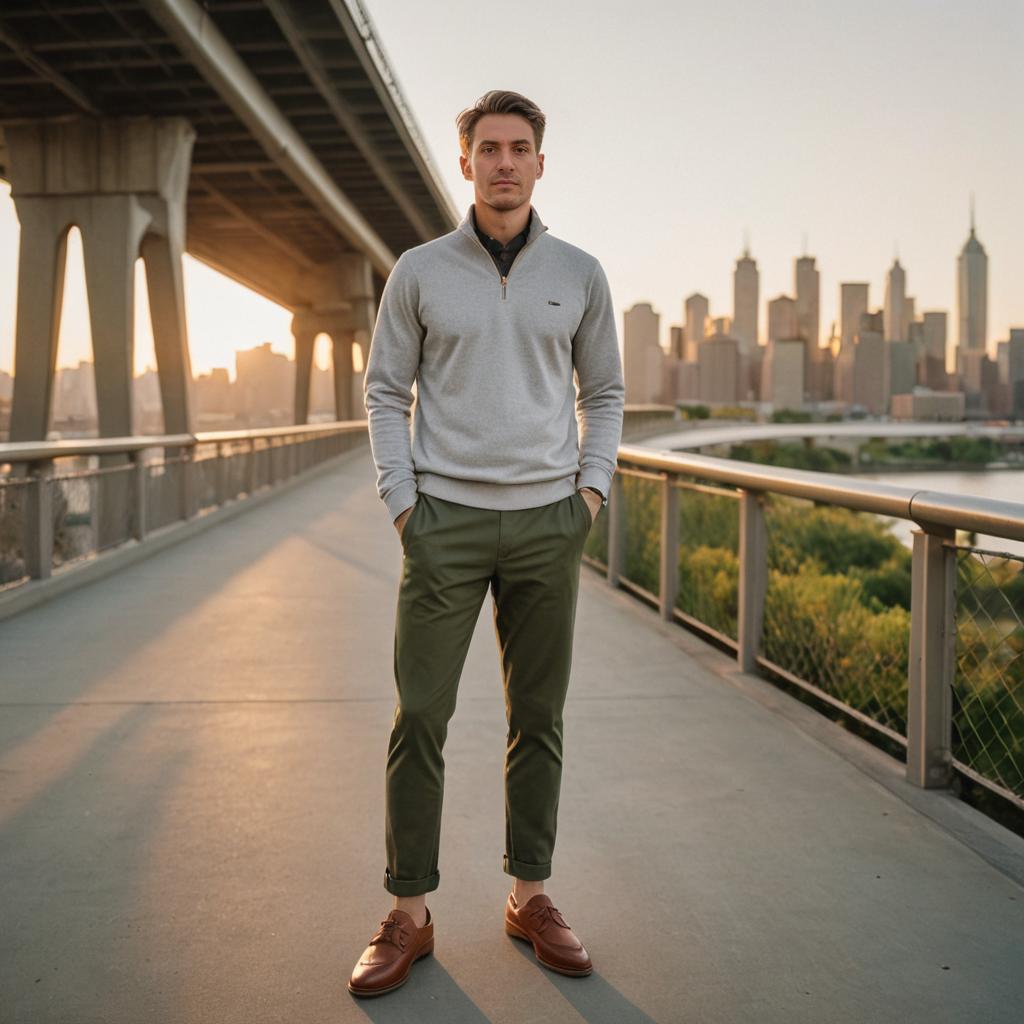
{"points": [[1004, 485]]}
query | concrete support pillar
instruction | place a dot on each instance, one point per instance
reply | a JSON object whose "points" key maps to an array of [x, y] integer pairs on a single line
{"points": [[42, 258], [305, 332], [123, 183], [344, 308], [342, 340]]}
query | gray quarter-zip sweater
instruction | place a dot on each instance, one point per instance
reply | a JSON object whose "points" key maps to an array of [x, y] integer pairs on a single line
{"points": [[493, 361]]}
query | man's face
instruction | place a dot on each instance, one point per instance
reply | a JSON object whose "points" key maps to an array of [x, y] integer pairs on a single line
{"points": [[503, 161]]}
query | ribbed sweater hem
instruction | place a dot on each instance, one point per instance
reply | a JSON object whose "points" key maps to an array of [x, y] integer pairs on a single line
{"points": [[501, 497]]}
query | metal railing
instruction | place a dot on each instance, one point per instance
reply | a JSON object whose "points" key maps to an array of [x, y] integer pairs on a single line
{"points": [[52, 516], [796, 574]]}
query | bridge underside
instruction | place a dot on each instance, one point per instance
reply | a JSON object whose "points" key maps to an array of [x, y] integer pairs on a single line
{"points": [[245, 214], [266, 137]]}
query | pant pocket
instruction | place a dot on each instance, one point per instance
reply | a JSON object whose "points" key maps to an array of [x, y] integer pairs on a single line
{"points": [[588, 519], [405, 535]]}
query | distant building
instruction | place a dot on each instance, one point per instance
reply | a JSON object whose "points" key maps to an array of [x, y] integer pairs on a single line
{"points": [[782, 322], [718, 370], [677, 342], [1015, 372], [853, 304], [820, 386], [935, 334], [643, 356], [265, 383], [931, 371], [696, 309], [862, 369], [746, 296], [923, 404], [807, 285], [74, 398], [902, 367], [213, 394], [782, 374], [972, 299], [895, 303]]}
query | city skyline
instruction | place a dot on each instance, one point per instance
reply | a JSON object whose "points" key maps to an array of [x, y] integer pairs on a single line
{"points": [[870, 144]]}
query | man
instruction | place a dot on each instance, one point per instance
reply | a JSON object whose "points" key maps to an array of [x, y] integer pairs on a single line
{"points": [[494, 490]]}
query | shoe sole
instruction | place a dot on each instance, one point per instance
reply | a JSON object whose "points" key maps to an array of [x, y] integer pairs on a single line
{"points": [[366, 993], [573, 972]]}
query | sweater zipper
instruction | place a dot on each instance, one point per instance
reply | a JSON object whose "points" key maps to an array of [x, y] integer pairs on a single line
{"points": [[504, 277]]}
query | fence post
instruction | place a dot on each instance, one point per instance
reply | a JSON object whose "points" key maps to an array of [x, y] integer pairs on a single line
{"points": [[616, 530], [250, 474], [668, 575], [753, 582], [220, 476], [186, 483], [139, 477], [932, 654], [39, 522]]}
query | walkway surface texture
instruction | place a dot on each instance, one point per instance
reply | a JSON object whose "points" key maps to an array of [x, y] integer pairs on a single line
{"points": [[191, 820]]}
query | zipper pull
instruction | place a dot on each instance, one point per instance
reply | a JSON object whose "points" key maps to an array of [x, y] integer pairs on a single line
{"points": [[503, 281]]}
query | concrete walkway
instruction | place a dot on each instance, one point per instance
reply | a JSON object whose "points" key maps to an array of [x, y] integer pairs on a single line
{"points": [[191, 823]]}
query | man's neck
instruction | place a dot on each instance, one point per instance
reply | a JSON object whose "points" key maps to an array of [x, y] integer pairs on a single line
{"points": [[501, 225]]}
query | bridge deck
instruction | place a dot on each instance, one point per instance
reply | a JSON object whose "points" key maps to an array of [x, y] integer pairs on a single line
{"points": [[191, 826]]}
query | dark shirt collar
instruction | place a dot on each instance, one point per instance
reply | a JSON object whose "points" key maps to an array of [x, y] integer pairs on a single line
{"points": [[499, 252]]}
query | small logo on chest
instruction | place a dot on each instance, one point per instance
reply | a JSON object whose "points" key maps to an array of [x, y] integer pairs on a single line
{"points": [[551, 302]]}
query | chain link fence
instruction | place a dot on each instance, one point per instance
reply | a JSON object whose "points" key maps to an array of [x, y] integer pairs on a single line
{"points": [[988, 683], [837, 607]]}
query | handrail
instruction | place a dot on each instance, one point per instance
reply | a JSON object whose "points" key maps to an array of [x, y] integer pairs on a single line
{"points": [[927, 508], [37, 451]]}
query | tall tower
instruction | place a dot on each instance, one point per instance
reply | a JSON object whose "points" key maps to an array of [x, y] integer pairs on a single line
{"points": [[696, 324], [746, 294], [972, 293], [808, 300], [895, 303]]}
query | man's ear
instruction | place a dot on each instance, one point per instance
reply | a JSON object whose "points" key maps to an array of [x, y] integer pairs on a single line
{"points": [[467, 167], [540, 164]]}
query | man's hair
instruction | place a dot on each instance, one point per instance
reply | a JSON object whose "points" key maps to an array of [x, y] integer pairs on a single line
{"points": [[499, 101]]}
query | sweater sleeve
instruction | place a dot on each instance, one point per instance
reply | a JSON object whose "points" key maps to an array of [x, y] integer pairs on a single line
{"points": [[599, 404], [387, 387]]}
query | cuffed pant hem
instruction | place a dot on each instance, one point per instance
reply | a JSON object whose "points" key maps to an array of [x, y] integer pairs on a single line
{"points": [[527, 872], [413, 887]]}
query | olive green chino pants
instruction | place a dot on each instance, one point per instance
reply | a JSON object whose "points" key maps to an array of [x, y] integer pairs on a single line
{"points": [[530, 559]]}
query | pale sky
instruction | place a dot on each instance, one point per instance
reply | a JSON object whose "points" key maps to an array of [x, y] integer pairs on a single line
{"points": [[673, 128]]}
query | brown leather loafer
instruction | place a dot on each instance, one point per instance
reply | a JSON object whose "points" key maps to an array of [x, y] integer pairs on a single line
{"points": [[538, 922], [387, 960]]}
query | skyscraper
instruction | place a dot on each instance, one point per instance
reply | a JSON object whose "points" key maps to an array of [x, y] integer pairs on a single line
{"points": [[895, 303], [808, 299], [746, 295], [696, 324], [972, 294]]}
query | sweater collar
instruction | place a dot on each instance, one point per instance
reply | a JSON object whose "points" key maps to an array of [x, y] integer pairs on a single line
{"points": [[536, 227]]}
